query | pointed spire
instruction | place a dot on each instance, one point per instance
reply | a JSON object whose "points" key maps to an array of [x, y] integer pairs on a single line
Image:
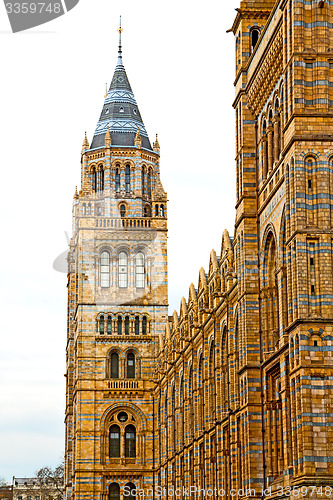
{"points": [[85, 144], [138, 140], [107, 138], [76, 194], [120, 52], [156, 145]]}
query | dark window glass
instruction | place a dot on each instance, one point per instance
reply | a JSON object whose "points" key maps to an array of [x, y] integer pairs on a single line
{"points": [[144, 325], [156, 210], [122, 210], [101, 325], [255, 37], [127, 325], [128, 179], [114, 441], [114, 365], [137, 325], [131, 487], [120, 325], [109, 330], [130, 365], [130, 442], [102, 180], [117, 181]]}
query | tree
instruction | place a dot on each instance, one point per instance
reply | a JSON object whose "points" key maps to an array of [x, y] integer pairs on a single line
{"points": [[48, 484]]}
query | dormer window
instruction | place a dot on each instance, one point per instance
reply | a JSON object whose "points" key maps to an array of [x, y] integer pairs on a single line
{"points": [[121, 110], [107, 111], [135, 111]]}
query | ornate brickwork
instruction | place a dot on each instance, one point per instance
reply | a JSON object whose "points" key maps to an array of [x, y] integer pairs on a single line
{"points": [[235, 390]]}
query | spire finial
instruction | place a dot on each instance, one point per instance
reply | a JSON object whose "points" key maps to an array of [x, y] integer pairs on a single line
{"points": [[120, 30]]}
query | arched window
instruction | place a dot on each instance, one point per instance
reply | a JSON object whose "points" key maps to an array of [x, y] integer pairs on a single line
{"points": [[255, 34], [149, 183], [143, 184], [114, 441], [201, 394], [130, 441], [131, 489], [128, 179], [126, 325], [137, 325], [224, 369], [114, 492], [117, 180], [130, 365], [114, 367], [162, 210], [122, 270], [122, 210], [212, 402], [120, 325], [109, 327], [102, 179], [144, 325], [156, 210], [140, 270], [84, 209], [93, 179], [101, 325], [105, 270]]}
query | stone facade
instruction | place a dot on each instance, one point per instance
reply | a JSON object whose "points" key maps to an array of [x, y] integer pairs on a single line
{"points": [[235, 390]]}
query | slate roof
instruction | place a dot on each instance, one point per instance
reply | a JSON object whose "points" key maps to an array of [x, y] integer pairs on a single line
{"points": [[120, 112]]}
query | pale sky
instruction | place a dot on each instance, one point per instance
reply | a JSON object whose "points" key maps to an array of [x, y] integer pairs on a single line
{"points": [[180, 63]]}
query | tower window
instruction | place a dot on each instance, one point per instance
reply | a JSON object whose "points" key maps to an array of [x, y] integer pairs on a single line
{"points": [[255, 34], [117, 180], [140, 270], [128, 179], [107, 111], [156, 210], [121, 110], [120, 325], [114, 441], [137, 325], [105, 270], [109, 327], [101, 325], [130, 364], [130, 441], [162, 210], [122, 210], [144, 325], [114, 491], [122, 270], [312, 290], [127, 325], [114, 372]]}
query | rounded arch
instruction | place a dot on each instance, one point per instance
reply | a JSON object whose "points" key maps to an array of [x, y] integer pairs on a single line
{"points": [[130, 408], [113, 491]]}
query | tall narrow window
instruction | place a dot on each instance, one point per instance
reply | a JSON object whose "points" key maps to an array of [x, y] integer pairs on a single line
{"points": [[122, 210], [162, 210], [105, 270], [128, 179], [117, 180], [114, 492], [114, 359], [137, 325], [143, 184], [122, 270], [101, 325], [255, 37], [102, 179], [127, 325], [144, 325], [114, 441], [109, 327], [94, 179], [130, 441], [131, 489], [149, 183], [120, 325], [156, 210], [130, 365], [140, 270]]}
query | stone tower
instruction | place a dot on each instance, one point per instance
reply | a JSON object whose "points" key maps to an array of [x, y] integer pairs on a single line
{"points": [[117, 302]]}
